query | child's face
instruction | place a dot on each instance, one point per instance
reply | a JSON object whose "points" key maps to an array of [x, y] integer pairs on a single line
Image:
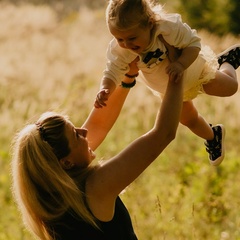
{"points": [[136, 39]]}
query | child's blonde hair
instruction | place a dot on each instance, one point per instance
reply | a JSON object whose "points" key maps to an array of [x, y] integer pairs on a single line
{"points": [[128, 14]]}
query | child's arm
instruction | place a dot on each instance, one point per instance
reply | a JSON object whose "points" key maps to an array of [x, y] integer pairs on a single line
{"points": [[108, 86], [184, 38], [187, 57]]}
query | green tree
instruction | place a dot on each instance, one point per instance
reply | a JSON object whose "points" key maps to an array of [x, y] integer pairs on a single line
{"points": [[212, 15], [234, 16]]}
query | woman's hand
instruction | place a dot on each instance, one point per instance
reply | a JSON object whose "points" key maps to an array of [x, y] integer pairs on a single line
{"points": [[175, 71]]}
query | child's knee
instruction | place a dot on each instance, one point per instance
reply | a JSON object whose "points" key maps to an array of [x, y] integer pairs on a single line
{"points": [[231, 89], [189, 115], [189, 120], [235, 88]]}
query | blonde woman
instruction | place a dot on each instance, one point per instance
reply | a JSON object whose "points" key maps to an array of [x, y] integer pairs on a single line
{"points": [[61, 194]]}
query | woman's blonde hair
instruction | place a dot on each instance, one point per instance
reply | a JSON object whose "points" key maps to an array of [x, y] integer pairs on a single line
{"points": [[128, 14], [42, 189]]}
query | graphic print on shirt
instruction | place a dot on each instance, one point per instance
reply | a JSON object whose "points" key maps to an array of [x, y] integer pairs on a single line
{"points": [[154, 58]]}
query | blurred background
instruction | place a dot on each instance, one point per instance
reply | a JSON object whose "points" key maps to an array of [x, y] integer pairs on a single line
{"points": [[52, 54]]}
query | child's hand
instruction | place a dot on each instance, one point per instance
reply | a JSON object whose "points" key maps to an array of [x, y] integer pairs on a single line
{"points": [[101, 98], [175, 71]]}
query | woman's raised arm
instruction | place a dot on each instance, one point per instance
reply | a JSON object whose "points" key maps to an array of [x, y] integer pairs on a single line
{"points": [[118, 172], [101, 120]]}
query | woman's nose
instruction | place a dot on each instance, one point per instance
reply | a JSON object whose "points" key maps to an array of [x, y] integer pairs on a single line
{"points": [[82, 131]]}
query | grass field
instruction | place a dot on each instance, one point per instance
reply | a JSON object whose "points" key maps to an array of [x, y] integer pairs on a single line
{"points": [[46, 64]]}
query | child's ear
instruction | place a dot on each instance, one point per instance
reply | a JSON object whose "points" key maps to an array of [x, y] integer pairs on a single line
{"points": [[66, 164]]}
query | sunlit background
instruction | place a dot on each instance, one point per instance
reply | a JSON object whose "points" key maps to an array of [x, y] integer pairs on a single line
{"points": [[52, 54]]}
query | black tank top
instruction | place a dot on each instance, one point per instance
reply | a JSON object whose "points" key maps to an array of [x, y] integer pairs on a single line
{"points": [[72, 228]]}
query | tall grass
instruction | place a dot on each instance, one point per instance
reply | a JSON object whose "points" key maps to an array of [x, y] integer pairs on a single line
{"points": [[47, 64]]}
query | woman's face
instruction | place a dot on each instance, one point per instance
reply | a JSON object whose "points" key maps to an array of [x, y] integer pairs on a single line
{"points": [[80, 153], [136, 39]]}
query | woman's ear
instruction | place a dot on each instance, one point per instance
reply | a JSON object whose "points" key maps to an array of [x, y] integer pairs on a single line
{"points": [[66, 164], [150, 23]]}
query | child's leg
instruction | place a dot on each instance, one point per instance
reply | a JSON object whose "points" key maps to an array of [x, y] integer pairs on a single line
{"points": [[214, 135], [195, 122], [225, 83]]}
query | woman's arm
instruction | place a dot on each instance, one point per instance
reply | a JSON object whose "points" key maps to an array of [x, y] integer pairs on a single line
{"points": [[117, 173], [101, 120]]}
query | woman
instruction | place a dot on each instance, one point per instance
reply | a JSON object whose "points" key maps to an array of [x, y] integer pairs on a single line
{"points": [[62, 194]]}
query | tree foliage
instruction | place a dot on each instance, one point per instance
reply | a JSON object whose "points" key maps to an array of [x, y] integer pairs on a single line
{"points": [[234, 17], [217, 16]]}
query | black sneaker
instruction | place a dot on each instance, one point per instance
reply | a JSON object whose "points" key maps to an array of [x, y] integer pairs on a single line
{"points": [[215, 147], [231, 56]]}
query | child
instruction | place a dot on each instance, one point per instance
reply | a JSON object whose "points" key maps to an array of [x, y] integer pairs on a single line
{"points": [[145, 31]]}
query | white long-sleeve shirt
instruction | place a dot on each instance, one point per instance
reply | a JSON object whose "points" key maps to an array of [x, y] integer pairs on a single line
{"points": [[153, 60]]}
